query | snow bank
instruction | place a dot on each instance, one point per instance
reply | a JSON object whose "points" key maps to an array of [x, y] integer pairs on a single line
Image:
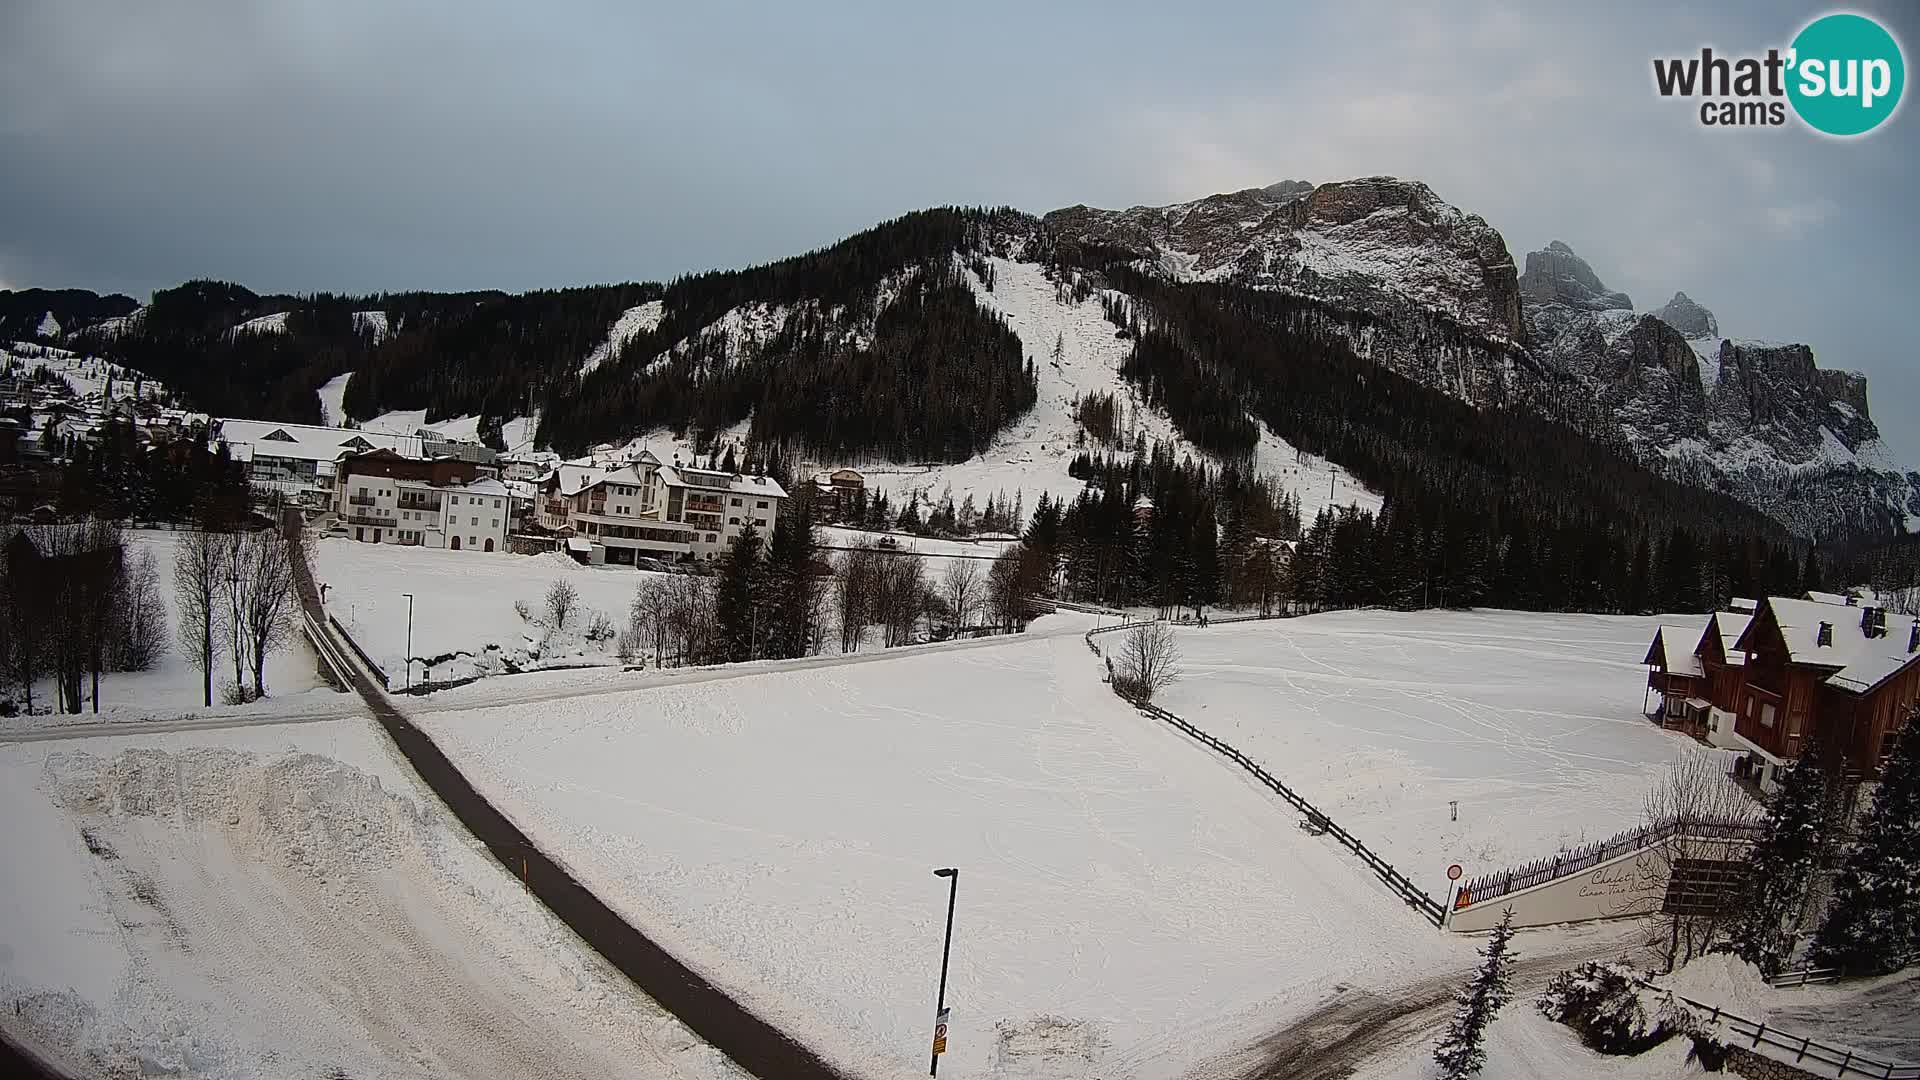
{"points": [[1724, 980], [253, 905]]}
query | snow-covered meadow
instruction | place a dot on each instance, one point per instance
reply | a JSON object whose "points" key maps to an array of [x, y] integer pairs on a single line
{"points": [[289, 902], [1531, 722], [1125, 903], [464, 618]]}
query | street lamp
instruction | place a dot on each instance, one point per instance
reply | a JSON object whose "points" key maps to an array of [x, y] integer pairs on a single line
{"points": [[409, 597], [940, 1009]]}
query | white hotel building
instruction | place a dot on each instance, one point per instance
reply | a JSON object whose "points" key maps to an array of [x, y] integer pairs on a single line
{"points": [[646, 510], [382, 497]]}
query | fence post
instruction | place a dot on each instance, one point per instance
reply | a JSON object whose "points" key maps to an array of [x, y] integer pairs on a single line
{"points": [[1844, 1064], [1805, 1041], [1759, 1031]]}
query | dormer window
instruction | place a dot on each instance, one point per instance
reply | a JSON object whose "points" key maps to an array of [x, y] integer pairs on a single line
{"points": [[1824, 635]]}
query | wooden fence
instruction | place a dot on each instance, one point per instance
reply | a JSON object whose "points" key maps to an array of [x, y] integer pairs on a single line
{"points": [[1552, 868], [378, 672], [1805, 1050], [1812, 976]]}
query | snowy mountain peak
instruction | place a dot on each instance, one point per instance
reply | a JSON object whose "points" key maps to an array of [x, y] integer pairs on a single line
{"points": [[1688, 317], [1378, 243], [1556, 275]]}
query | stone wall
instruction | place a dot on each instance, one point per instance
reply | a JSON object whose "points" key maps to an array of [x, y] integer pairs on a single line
{"points": [[1744, 1062]]}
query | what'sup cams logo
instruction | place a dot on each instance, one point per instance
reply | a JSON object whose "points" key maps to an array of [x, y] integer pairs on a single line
{"points": [[1842, 75]]}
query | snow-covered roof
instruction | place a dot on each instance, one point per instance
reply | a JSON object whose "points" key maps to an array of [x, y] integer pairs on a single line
{"points": [[1730, 625], [310, 442], [1672, 650], [1817, 597], [1862, 662], [764, 487], [1742, 604], [486, 485]]}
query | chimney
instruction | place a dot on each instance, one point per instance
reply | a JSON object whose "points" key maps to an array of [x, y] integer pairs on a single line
{"points": [[1873, 621], [1824, 636]]}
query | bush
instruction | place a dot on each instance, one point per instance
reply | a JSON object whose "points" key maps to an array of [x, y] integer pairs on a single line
{"points": [[562, 599], [521, 609], [600, 627], [1605, 1004]]}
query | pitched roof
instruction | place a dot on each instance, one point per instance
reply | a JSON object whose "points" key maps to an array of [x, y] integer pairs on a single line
{"points": [[1729, 625], [1817, 597], [1858, 663], [309, 442], [1672, 650], [713, 480]]}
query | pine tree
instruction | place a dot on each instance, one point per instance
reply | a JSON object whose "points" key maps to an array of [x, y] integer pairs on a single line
{"points": [[1782, 868], [1873, 921], [1462, 1049], [734, 608]]}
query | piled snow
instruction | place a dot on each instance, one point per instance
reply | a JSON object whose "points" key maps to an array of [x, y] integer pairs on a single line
{"points": [[1523, 1045], [463, 614], [371, 320], [632, 322], [332, 393], [1126, 907], [1724, 980], [1532, 722], [275, 323], [245, 905]]}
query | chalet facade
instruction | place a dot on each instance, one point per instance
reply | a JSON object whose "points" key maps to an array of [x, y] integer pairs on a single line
{"points": [[1768, 681], [646, 510]]}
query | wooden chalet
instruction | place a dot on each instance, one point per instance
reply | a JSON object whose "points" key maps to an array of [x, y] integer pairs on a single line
{"points": [[1848, 673]]}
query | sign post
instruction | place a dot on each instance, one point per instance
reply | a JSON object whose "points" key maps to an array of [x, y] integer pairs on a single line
{"points": [[952, 875], [1453, 889], [940, 1034]]}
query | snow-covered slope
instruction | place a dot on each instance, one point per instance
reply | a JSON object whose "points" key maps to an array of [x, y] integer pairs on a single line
{"points": [[275, 323], [332, 392], [374, 321], [632, 322]]}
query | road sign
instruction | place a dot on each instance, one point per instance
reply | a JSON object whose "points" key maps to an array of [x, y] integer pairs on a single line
{"points": [[1453, 872], [940, 1032]]}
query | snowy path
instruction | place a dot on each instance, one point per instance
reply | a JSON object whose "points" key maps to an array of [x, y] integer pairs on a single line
{"points": [[1128, 905]]}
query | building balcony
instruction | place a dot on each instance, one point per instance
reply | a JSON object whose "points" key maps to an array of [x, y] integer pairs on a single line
{"points": [[360, 500], [369, 519]]}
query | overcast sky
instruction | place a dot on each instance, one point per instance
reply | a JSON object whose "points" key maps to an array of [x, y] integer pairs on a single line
{"points": [[367, 145]]}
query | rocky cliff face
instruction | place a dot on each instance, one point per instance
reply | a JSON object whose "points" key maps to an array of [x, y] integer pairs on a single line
{"points": [[1757, 420], [1379, 244]]}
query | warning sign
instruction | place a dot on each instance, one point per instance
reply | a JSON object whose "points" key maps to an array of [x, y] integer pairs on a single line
{"points": [[940, 1032]]}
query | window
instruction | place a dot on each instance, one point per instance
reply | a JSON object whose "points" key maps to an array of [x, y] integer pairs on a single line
{"points": [[733, 521], [473, 521], [363, 491], [495, 523], [471, 541], [1766, 716], [711, 539], [454, 499], [761, 505], [761, 522], [736, 502]]}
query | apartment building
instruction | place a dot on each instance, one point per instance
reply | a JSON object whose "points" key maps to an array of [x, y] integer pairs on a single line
{"points": [[383, 497], [646, 510]]}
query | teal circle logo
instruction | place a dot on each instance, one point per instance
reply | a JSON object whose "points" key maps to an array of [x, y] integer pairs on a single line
{"points": [[1846, 74]]}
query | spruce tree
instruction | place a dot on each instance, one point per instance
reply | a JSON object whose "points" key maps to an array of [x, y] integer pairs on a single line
{"points": [[734, 607], [1462, 1049], [1782, 868], [1873, 921]]}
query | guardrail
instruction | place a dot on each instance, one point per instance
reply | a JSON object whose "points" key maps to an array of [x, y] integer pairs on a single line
{"points": [[376, 669], [1811, 976], [1803, 1048], [1504, 882]]}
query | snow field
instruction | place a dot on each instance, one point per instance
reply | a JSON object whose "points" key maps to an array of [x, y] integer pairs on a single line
{"points": [[463, 614], [1126, 906], [254, 904], [1532, 722]]}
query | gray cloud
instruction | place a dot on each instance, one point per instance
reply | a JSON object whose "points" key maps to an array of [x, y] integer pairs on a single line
{"points": [[363, 145]]}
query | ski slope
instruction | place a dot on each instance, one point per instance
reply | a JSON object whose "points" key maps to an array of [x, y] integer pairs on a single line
{"points": [[1127, 908], [252, 904], [1075, 354], [1532, 722]]}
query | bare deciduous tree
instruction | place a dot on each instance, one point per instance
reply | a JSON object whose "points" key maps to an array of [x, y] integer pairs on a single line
{"points": [[1149, 660], [199, 567], [857, 569], [562, 599], [268, 605], [963, 586], [901, 598], [1689, 920], [143, 614]]}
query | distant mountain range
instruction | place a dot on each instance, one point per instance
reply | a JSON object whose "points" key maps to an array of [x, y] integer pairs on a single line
{"points": [[967, 339]]}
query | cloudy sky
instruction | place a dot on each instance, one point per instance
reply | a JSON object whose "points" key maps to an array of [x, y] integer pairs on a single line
{"points": [[363, 145]]}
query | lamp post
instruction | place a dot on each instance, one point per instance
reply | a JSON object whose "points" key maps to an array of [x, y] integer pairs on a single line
{"points": [[409, 597], [940, 1008]]}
